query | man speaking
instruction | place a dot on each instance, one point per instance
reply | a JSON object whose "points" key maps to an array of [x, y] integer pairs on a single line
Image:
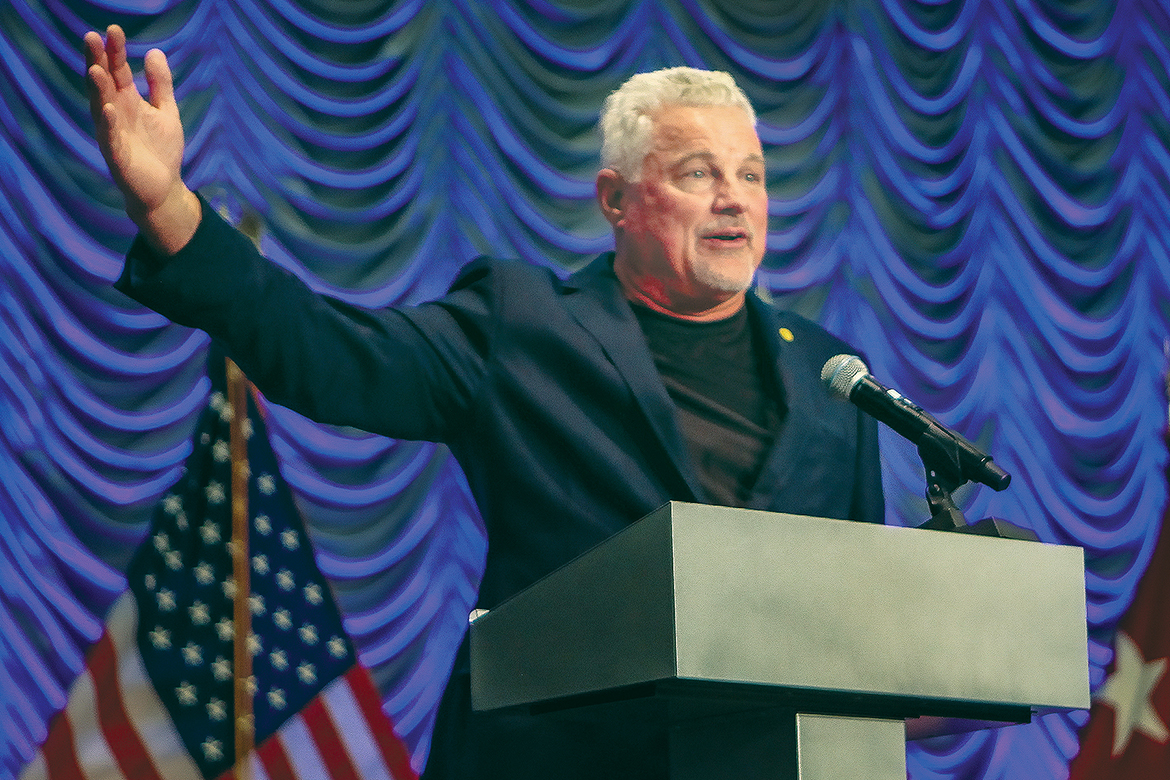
{"points": [[576, 406]]}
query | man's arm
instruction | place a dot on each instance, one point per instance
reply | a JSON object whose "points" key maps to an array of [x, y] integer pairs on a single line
{"points": [[141, 141], [410, 373]]}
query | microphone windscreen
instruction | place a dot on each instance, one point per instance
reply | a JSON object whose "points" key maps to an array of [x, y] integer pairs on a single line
{"points": [[841, 372]]}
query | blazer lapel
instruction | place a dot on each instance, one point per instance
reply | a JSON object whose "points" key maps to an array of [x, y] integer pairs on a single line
{"points": [[800, 388], [595, 299]]}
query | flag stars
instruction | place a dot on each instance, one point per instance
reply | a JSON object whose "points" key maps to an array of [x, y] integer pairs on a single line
{"points": [[313, 594], [209, 531], [276, 699], [192, 654], [216, 493], [212, 749], [166, 600], [172, 504], [216, 709], [160, 638], [204, 573], [279, 660], [200, 613], [286, 654], [1129, 691], [221, 669], [224, 629], [186, 694]]}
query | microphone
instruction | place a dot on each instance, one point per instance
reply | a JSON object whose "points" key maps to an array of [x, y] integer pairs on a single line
{"points": [[847, 376]]}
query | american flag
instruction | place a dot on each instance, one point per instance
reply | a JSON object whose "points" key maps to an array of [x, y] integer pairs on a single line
{"points": [[156, 699], [1128, 733]]}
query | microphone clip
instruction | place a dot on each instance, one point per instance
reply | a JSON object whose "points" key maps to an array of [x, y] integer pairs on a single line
{"points": [[943, 475]]}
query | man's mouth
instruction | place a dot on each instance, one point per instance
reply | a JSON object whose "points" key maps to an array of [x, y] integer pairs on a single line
{"points": [[727, 236]]}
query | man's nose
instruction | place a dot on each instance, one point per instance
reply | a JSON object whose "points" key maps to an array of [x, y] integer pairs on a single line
{"points": [[729, 197]]}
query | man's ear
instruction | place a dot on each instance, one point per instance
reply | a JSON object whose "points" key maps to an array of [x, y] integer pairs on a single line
{"points": [[610, 195]]}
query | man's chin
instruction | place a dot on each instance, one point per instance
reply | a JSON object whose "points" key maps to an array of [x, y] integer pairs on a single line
{"points": [[727, 280]]}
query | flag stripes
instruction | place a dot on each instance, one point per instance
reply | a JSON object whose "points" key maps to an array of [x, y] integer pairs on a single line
{"points": [[270, 760], [155, 699], [124, 742], [329, 744], [365, 708], [341, 735], [98, 736]]}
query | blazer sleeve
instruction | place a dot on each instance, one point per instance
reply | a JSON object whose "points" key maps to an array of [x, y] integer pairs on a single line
{"points": [[409, 373]]}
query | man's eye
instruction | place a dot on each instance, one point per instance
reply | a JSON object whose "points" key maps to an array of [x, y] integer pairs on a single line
{"points": [[697, 174]]}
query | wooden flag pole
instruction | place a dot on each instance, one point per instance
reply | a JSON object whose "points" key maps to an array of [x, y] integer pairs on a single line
{"points": [[241, 615]]}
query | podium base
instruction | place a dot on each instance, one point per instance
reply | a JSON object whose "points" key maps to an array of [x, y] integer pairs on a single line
{"points": [[781, 745]]}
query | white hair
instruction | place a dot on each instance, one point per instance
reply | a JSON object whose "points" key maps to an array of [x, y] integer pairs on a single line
{"points": [[625, 117]]}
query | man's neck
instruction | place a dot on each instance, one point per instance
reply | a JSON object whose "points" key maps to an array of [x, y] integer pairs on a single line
{"points": [[653, 295]]}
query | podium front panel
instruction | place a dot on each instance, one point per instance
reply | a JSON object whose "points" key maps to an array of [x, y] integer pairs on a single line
{"points": [[814, 603], [761, 600]]}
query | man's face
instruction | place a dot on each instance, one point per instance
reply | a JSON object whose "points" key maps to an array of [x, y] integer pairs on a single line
{"points": [[692, 232]]}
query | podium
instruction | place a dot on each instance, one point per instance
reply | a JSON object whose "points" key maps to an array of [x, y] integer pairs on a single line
{"points": [[776, 646]]}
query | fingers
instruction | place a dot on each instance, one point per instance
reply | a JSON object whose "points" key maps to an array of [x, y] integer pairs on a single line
{"points": [[95, 50], [95, 66], [114, 141], [101, 91], [159, 79], [117, 66], [97, 61]]}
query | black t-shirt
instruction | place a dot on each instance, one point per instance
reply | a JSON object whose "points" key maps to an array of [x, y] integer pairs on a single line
{"points": [[729, 407]]}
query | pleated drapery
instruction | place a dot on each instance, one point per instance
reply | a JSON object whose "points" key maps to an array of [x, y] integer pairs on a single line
{"points": [[974, 192]]}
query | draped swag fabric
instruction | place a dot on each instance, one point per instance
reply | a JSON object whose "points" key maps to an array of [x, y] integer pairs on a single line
{"points": [[974, 192]]}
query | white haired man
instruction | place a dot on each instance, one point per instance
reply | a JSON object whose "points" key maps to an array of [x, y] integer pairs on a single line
{"points": [[575, 406]]}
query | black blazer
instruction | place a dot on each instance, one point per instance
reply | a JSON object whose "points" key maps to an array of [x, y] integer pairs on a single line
{"points": [[548, 396], [544, 390]]}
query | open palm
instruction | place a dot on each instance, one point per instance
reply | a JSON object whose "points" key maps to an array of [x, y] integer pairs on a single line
{"points": [[141, 140]]}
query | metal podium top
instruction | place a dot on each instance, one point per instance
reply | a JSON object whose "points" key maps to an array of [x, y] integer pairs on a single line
{"points": [[880, 619]]}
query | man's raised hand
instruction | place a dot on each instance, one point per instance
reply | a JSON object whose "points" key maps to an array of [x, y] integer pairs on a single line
{"points": [[141, 140]]}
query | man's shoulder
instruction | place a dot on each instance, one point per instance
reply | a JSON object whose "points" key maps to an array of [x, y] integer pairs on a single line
{"points": [[797, 329], [505, 270]]}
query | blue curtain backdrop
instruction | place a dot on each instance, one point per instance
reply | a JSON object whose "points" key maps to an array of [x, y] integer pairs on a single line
{"points": [[974, 192]]}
